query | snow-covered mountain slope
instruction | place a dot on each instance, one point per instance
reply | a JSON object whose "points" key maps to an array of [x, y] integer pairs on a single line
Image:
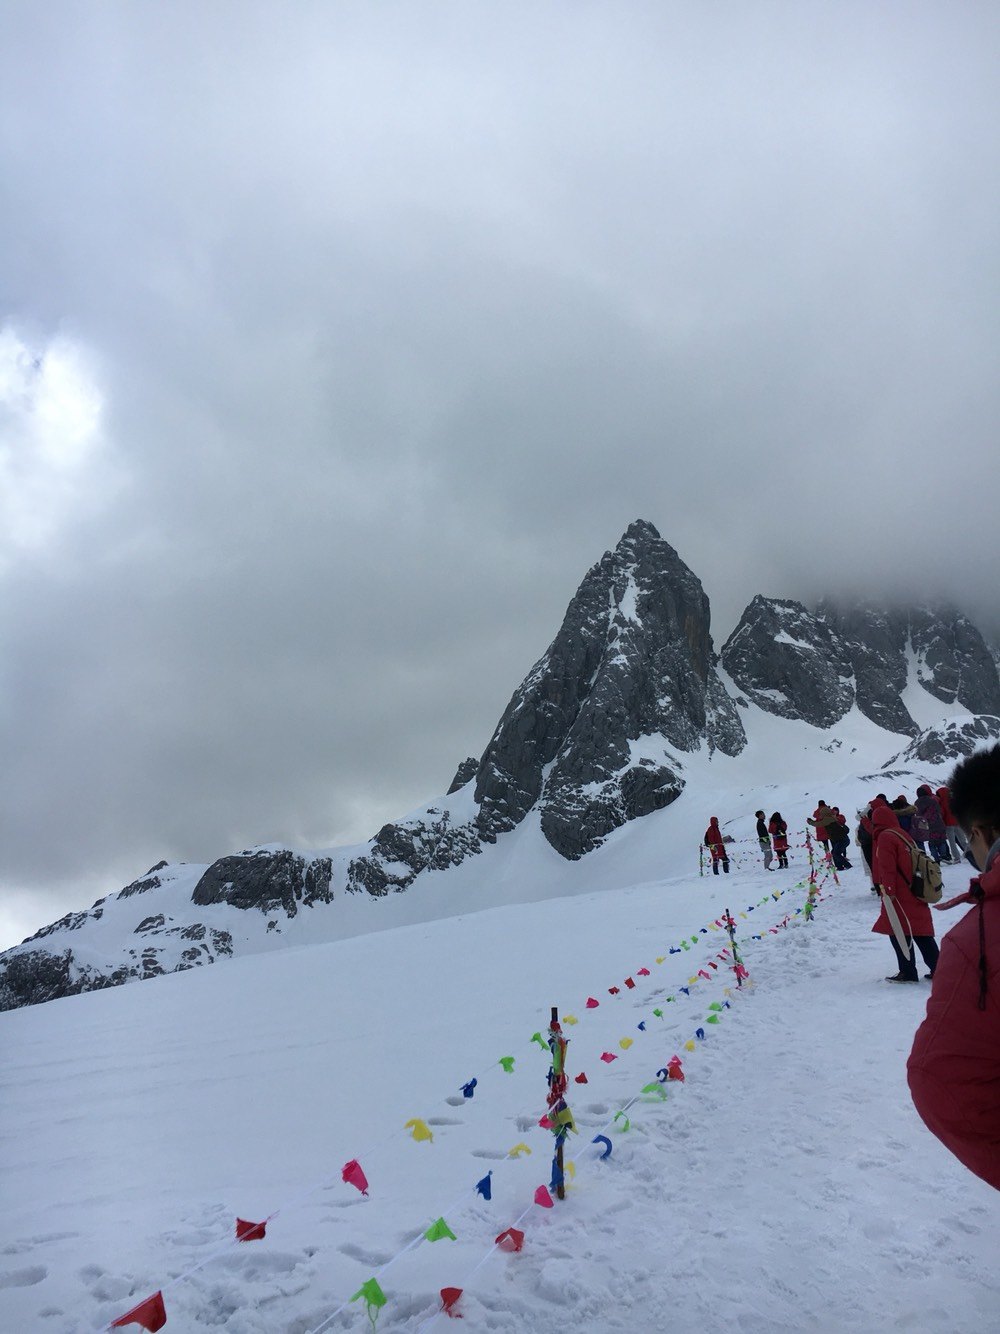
{"points": [[157, 928], [786, 1185]]}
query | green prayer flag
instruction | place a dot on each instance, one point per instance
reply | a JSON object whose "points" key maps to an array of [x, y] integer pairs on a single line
{"points": [[508, 1064], [626, 1123], [537, 1037], [656, 1089], [712, 1019], [658, 1013], [716, 1005], [438, 1230], [372, 1293]]}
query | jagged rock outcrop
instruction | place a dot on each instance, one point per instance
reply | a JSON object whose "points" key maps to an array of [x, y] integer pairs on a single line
{"points": [[465, 773], [951, 741], [789, 662], [399, 852], [265, 880], [953, 661], [873, 642], [632, 661]]}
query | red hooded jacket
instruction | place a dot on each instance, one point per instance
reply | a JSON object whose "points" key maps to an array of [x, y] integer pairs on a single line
{"points": [[944, 801], [954, 1067], [713, 839], [892, 869]]}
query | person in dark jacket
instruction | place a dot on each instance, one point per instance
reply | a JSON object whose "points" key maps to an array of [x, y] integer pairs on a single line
{"points": [[840, 841], [954, 1066], [928, 824], [764, 839], [778, 830], [716, 845], [902, 912], [904, 814]]}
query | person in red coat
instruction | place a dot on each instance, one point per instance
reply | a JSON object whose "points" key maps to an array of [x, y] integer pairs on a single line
{"points": [[954, 1067], [714, 842], [957, 842], [892, 871]]}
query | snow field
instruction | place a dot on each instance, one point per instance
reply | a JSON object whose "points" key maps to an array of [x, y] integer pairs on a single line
{"points": [[787, 1184]]}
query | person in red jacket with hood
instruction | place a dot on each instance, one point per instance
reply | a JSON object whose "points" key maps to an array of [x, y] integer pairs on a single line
{"points": [[714, 842], [954, 1067], [892, 870]]}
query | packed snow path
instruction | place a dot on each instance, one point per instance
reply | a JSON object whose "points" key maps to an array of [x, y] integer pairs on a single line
{"points": [[787, 1185]]}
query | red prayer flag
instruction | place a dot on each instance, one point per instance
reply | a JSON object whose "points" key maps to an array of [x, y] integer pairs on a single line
{"points": [[351, 1173], [608, 1056], [591, 1003], [630, 983], [674, 1070], [581, 1078], [249, 1231], [643, 972], [449, 1296], [511, 1240], [543, 1197], [150, 1314], [612, 991]]}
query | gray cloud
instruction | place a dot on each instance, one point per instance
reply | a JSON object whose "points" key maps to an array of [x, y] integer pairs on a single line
{"points": [[399, 315]]}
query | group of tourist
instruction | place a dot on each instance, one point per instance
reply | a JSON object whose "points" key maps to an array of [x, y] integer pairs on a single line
{"points": [[954, 1065]]}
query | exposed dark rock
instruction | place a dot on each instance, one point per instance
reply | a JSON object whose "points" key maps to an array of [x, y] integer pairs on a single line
{"points": [[399, 852], [465, 772], [145, 883], [951, 741], [953, 661], [265, 880], [873, 641], [633, 660], [149, 924], [789, 662]]}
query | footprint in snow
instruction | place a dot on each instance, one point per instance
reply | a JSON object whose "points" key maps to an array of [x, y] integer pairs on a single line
{"points": [[365, 1256], [23, 1278]]}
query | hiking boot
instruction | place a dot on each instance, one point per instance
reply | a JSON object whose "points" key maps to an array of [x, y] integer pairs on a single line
{"points": [[898, 977]]}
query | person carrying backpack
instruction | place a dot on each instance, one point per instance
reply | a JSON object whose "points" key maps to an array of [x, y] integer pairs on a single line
{"points": [[902, 914], [715, 843], [930, 823]]}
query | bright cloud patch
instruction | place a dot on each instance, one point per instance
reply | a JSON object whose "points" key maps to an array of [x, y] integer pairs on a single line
{"points": [[50, 439]]}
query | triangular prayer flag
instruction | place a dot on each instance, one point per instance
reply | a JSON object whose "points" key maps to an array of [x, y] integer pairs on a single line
{"points": [[643, 972], [660, 958], [449, 1296], [570, 1019], [630, 983], [420, 1131], [352, 1174], [641, 1026], [250, 1231], [674, 1068], [469, 1089], [511, 1240], [603, 1139], [508, 1064], [485, 1187], [537, 1037], [581, 1078], [625, 1043], [626, 1123], [700, 1034], [518, 1149], [150, 1314], [712, 1019], [543, 1198], [613, 991], [545, 1123], [689, 1045], [608, 1057], [716, 1005], [658, 1013], [591, 1003], [654, 1089], [373, 1296], [438, 1230]]}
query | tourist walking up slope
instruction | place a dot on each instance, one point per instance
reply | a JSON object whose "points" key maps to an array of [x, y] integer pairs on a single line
{"points": [[892, 869], [778, 830], [954, 1067]]}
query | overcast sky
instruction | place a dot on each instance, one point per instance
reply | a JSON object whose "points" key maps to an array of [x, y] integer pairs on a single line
{"points": [[338, 340]]}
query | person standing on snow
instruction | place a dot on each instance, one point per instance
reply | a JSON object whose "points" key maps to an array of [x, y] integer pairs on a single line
{"points": [[840, 840], [893, 869], [957, 842], [716, 845], [821, 820], [928, 824], [779, 832], [954, 1066], [764, 839]]}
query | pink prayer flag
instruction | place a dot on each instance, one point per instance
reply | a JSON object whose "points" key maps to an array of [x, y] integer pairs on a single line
{"points": [[352, 1174], [591, 1003], [543, 1197], [608, 1056]]}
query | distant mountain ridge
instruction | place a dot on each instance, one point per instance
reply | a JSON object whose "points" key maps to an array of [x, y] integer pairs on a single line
{"points": [[597, 735]]}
